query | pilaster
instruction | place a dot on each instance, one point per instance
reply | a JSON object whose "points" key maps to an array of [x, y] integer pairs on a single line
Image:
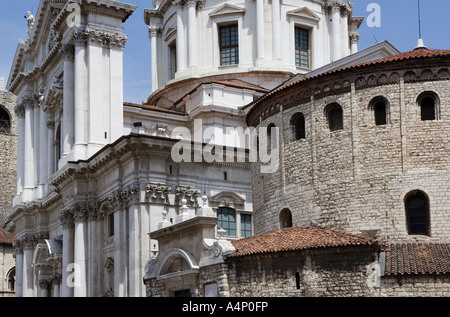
{"points": [[80, 250], [68, 124], [67, 222]]}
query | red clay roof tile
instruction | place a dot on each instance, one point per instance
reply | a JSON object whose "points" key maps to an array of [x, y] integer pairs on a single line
{"points": [[5, 237], [296, 239], [417, 259]]}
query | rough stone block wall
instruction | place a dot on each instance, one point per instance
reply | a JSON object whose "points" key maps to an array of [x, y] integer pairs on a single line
{"points": [[415, 286], [307, 275], [356, 179], [8, 157]]}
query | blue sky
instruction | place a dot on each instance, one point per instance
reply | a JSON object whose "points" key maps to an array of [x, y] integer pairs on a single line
{"points": [[399, 26]]}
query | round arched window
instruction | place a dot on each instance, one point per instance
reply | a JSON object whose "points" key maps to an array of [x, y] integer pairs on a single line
{"points": [[285, 219], [429, 106], [5, 121], [417, 213], [335, 117]]}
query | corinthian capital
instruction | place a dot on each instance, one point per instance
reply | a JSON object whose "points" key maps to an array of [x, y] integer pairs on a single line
{"points": [[178, 4], [67, 51], [80, 214], [66, 219], [153, 31], [191, 3], [28, 100]]}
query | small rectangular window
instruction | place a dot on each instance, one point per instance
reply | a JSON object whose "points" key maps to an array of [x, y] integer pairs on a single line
{"points": [[246, 226], [227, 221], [172, 60], [301, 47], [111, 224], [229, 45]]}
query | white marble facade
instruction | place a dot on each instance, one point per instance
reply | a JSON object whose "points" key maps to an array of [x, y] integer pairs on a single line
{"points": [[95, 174]]}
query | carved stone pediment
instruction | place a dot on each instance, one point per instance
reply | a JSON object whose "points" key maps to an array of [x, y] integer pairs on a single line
{"points": [[304, 14], [227, 9], [227, 199]]}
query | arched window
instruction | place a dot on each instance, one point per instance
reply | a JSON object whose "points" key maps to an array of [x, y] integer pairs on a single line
{"points": [[5, 121], [335, 117], [417, 213], [227, 221], [271, 139], [298, 126], [11, 280], [380, 107], [429, 106], [285, 219]]}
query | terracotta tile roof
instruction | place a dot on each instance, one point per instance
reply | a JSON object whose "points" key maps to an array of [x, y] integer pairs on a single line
{"points": [[154, 108], [296, 239], [5, 237], [417, 53], [417, 259]]}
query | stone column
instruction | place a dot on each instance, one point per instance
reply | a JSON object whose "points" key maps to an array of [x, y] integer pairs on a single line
{"points": [[135, 262], [98, 99], [19, 267], [27, 275], [29, 162], [68, 128], [67, 222], [335, 32], [80, 251], [55, 261], [276, 29], [116, 45], [181, 37], [354, 38], [120, 249], [43, 153], [81, 89], [43, 285], [260, 29], [93, 272], [192, 33], [153, 33], [56, 281], [36, 148]]}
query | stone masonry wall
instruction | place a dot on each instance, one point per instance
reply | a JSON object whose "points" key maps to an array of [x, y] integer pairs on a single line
{"points": [[356, 179], [8, 157], [311, 274], [415, 286]]}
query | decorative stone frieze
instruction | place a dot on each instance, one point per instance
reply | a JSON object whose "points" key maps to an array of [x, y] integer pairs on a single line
{"points": [[159, 193], [82, 36], [185, 192]]}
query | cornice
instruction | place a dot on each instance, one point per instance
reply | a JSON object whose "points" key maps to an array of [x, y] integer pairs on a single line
{"points": [[37, 70], [339, 81]]}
